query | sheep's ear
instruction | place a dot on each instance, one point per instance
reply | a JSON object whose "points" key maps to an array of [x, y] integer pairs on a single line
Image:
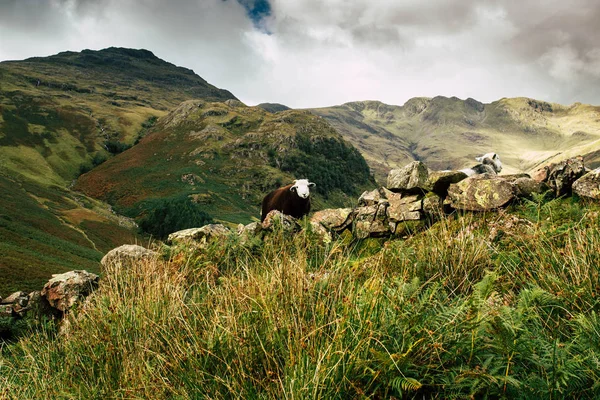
{"points": [[479, 159], [293, 188], [495, 156], [311, 184]]}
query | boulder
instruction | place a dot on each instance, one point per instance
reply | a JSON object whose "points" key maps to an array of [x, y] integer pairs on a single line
{"points": [[320, 232], [15, 305], [406, 208], [334, 219], [278, 219], [370, 198], [561, 176], [371, 221], [411, 178], [66, 290], [203, 235], [126, 254], [526, 187], [588, 185], [439, 181], [433, 206], [481, 193]]}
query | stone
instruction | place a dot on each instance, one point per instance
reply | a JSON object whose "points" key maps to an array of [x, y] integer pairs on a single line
{"points": [[481, 193], [202, 235], [334, 219], [433, 206], [276, 218], [561, 176], [371, 221], [127, 253], [588, 186], [405, 208], [369, 198], [526, 187], [64, 291], [411, 178], [249, 231], [439, 181], [320, 232], [17, 298]]}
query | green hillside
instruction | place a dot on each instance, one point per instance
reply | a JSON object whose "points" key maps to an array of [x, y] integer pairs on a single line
{"points": [[60, 116], [448, 133], [480, 306], [226, 156]]}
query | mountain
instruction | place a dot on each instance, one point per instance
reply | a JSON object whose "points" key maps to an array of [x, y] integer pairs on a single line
{"points": [[273, 107], [60, 116], [448, 133], [225, 157]]}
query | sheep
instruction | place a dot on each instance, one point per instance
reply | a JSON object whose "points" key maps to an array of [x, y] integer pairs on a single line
{"points": [[490, 164], [293, 199]]}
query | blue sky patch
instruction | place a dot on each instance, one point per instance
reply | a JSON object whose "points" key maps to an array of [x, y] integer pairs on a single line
{"points": [[257, 10]]}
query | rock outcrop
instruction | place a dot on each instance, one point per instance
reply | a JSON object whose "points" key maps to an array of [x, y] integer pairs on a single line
{"points": [[203, 235], [59, 295], [588, 185], [561, 176], [481, 193], [410, 178], [126, 254], [66, 290]]}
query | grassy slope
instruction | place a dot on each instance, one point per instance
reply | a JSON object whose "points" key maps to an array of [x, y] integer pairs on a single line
{"points": [[233, 155], [450, 133], [479, 306], [56, 114]]}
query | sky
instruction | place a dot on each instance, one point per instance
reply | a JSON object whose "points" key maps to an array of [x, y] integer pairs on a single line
{"points": [[317, 53]]}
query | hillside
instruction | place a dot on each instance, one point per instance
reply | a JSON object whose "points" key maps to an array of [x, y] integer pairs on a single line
{"points": [[448, 133], [226, 156], [60, 116], [496, 305]]}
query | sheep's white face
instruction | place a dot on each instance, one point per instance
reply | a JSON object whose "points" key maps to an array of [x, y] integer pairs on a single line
{"points": [[492, 159], [301, 187]]}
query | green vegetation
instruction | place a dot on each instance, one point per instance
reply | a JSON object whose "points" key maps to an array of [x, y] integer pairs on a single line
{"points": [[60, 117], [164, 216], [331, 162], [479, 306], [227, 157]]}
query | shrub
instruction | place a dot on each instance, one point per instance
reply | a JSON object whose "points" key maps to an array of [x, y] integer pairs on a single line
{"points": [[165, 216]]}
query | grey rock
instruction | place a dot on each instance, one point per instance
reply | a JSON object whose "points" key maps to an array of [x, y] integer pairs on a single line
{"points": [[202, 235], [526, 187], [588, 186], [127, 253], [64, 291], [276, 219], [481, 193], [439, 181], [406, 208], [411, 178], [334, 219]]}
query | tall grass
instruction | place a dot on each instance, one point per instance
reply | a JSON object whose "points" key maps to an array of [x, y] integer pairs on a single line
{"points": [[472, 308]]}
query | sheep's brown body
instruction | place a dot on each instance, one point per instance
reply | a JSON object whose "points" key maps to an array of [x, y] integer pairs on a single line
{"points": [[286, 201]]}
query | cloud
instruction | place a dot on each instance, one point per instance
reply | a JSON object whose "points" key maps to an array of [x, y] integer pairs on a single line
{"points": [[307, 53]]}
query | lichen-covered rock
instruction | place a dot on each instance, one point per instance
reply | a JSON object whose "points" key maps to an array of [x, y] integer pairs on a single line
{"points": [[561, 176], [433, 206], [203, 235], [481, 193], [439, 181], [126, 254], [406, 208], [371, 221], [66, 290], [334, 219], [320, 232], [526, 187], [588, 185], [411, 178], [278, 219], [14, 306], [369, 198]]}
